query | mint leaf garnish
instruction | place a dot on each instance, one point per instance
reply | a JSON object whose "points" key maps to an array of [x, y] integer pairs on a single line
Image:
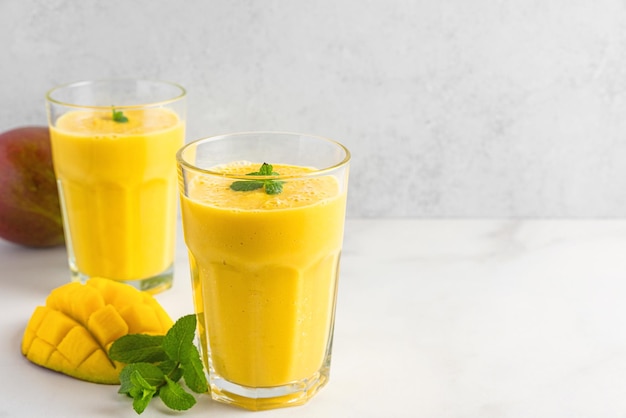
{"points": [[175, 397], [271, 186], [265, 170], [156, 364], [150, 373], [178, 341], [246, 186], [136, 348], [193, 373], [118, 116], [141, 391], [172, 369]]}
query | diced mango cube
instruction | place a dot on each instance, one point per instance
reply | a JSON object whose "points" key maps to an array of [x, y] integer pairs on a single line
{"points": [[77, 345], [76, 301], [107, 325], [55, 326]]}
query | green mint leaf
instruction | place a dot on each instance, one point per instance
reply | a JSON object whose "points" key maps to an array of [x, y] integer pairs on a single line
{"points": [[193, 372], [141, 399], [142, 391], [271, 186], [246, 186], [136, 348], [171, 369], [118, 116], [175, 397], [126, 385], [179, 339], [150, 374], [266, 169], [138, 381]]}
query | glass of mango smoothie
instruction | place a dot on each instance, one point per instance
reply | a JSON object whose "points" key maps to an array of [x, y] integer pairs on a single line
{"points": [[114, 146], [263, 219]]}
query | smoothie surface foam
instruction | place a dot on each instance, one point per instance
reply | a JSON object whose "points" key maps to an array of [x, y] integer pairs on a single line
{"points": [[297, 192]]}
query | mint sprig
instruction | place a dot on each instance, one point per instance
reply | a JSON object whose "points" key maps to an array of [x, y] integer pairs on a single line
{"points": [[271, 186], [118, 116], [156, 363]]}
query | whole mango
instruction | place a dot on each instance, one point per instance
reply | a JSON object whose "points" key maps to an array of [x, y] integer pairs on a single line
{"points": [[30, 212]]}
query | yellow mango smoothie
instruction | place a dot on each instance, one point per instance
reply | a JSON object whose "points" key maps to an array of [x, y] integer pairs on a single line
{"points": [[264, 273], [118, 187]]}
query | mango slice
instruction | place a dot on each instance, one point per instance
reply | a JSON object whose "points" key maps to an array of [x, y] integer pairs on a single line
{"points": [[73, 332]]}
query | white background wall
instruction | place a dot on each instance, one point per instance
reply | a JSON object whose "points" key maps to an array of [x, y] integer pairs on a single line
{"points": [[452, 108]]}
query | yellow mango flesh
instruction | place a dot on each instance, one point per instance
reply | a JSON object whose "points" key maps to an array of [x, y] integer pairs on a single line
{"points": [[73, 332]]}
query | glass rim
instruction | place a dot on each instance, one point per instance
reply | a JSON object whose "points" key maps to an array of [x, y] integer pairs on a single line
{"points": [[181, 93], [313, 173]]}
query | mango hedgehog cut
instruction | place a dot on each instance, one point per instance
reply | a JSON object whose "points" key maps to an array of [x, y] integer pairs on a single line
{"points": [[73, 332]]}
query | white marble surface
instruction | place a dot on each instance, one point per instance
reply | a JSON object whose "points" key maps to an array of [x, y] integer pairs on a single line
{"points": [[474, 108], [436, 318]]}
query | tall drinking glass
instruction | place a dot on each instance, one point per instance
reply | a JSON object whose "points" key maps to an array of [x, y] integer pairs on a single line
{"points": [[263, 219], [114, 146]]}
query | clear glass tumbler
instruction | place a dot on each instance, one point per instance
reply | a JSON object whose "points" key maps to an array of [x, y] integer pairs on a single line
{"points": [[114, 146], [263, 219]]}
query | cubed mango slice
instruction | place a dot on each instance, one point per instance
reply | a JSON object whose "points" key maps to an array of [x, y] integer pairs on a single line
{"points": [[73, 332]]}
